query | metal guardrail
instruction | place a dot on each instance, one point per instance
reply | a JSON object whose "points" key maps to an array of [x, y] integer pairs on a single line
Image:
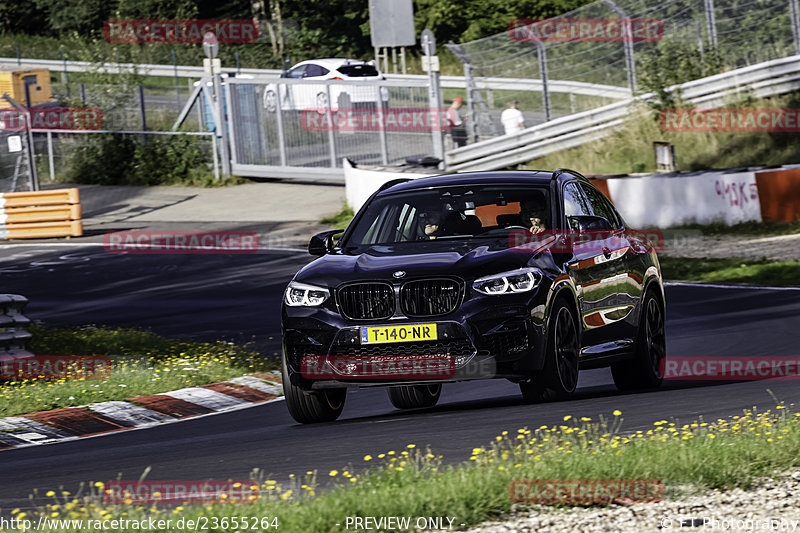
{"points": [[766, 79], [450, 82], [13, 336], [181, 71]]}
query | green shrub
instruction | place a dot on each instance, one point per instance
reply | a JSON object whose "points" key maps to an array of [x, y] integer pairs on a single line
{"points": [[117, 159]]}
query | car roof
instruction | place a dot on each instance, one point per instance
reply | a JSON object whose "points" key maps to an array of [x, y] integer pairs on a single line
{"points": [[529, 177]]}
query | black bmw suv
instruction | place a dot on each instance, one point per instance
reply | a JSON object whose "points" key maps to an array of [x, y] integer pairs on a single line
{"points": [[527, 276]]}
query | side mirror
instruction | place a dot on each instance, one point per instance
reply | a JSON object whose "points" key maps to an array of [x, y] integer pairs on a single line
{"points": [[586, 223], [322, 243]]}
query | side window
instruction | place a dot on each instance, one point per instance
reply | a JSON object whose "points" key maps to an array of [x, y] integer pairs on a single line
{"points": [[296, 72], [313, 71], [601, 207], [575, 203]]}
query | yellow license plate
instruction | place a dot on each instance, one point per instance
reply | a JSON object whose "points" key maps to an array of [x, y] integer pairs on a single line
{"points": [[405, 333]]}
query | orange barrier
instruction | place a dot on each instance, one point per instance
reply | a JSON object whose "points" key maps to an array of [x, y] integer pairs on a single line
{"points": [[779, 194], [602, 184], [40, 214]]}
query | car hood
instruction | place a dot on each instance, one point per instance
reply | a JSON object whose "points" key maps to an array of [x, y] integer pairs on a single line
{"points": [[380, 263]]}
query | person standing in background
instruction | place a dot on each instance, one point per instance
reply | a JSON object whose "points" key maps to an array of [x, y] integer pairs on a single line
{"points": [[457, 128], [512, 119]]}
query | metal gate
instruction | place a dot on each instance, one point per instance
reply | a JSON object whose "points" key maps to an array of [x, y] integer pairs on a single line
{"points": [[294, 128]]}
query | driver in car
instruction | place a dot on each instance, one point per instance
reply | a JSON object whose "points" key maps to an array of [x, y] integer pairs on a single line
{"points": [[430, 223], [534, 214]]}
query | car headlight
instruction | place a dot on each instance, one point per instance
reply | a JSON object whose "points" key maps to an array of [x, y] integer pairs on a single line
{"points": [[522, 280], [302, 295]]}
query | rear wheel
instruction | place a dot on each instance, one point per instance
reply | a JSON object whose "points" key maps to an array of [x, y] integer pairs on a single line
{"points": [[312, 407], [559, 377], [644, 370], [415, 396]]}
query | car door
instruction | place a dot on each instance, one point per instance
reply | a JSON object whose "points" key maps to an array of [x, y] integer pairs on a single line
{"points": [[615, 297], [587, 265]]}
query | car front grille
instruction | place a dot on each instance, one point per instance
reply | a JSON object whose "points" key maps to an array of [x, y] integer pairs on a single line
{"points": [[366, 301], [430, 297], [454, 348]]}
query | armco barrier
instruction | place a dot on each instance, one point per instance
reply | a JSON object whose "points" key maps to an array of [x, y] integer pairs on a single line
{"points": [[40, 214], [13, 335]]}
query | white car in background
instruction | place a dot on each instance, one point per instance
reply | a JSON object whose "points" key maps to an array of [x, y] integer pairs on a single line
{"points": [[300, 96]]}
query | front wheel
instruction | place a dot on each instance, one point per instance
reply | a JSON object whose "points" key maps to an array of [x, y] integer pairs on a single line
{"points": [[559, 377], [414, 396], [644, 370], [312, 407]]}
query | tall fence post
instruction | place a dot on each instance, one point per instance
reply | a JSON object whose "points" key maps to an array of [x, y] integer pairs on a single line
{"points": [[795, 25], [472, 128], [627, 43], [542, 53], [428, 42], [64, 75], [382, 110], [177, 87], [331, 137], [142, 108], [222, 130], [711, 23], [50, 158], [281, 131]]}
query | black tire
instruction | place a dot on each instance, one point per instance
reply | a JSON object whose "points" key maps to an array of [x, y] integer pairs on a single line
{"points": [[644, 370], [415, 396], [312, 407], [559, 377]]}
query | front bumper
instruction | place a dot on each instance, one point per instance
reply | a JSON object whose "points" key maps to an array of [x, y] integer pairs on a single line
{"points": [[486, 337]]}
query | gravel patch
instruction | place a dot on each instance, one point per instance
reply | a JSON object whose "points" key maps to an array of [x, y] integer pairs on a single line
{"points": [[693, 244], [770, 504]]}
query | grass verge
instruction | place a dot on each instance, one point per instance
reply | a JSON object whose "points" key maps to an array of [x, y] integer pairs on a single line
{"points": [[731, 270], [142, 363], [629, 149], [415, 483], [340, 219]]}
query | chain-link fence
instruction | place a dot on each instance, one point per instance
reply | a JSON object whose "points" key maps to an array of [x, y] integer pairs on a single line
{"points": [[142, 107], [694, 38]]}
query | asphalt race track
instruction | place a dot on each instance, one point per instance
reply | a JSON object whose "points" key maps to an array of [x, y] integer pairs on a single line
{"points": [[237, 297]]}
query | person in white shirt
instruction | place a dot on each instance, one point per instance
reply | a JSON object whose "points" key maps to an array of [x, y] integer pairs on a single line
{"points": [[512, 119]]}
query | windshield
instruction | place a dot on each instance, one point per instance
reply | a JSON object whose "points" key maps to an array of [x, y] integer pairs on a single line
{"points": [[452, 213], [358, 71]]}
